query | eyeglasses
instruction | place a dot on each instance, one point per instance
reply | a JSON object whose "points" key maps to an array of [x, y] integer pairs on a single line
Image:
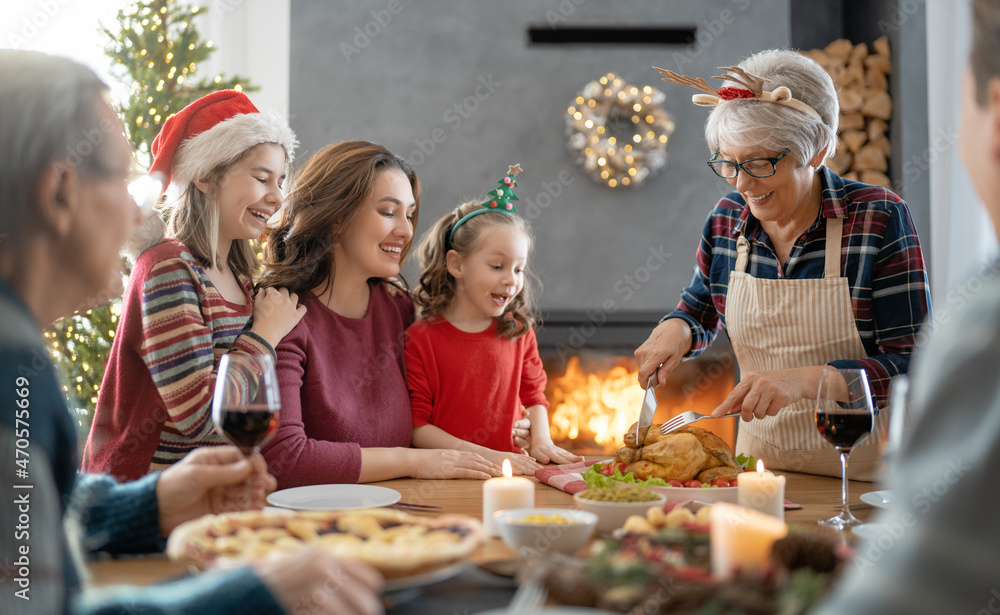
{"points": [[755, 167], [145, 190]]}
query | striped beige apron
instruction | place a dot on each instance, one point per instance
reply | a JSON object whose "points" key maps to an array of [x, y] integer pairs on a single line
{"points": [[785, 324]]}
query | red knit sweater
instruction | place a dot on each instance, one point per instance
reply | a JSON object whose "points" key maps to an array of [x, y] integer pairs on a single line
{"points": [[343, 387], [155, 403], [472, 385]]}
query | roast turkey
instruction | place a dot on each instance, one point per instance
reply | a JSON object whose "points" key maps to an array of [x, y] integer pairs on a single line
{"points": [[689, 452]]}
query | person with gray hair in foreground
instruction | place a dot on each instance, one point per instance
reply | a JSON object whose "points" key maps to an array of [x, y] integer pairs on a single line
{"points": [[803, 268], [940, 546], [65, 213]]}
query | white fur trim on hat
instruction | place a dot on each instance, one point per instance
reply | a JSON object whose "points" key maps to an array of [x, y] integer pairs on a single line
{"points": [[199, 155]]}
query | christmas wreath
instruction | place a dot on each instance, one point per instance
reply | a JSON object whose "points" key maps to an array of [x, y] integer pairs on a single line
{"points": [[618, 132]]}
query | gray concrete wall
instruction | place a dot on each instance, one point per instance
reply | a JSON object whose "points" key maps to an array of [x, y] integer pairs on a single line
{"points": [[399, 84]]}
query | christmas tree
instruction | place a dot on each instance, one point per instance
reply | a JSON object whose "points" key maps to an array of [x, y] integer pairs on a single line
{"points": [[504, 194], [156, 49]]}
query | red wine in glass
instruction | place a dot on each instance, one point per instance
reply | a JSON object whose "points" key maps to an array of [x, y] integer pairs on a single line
{"points": [[843, 430], [844, 415], [245, 405], [248, 428]]}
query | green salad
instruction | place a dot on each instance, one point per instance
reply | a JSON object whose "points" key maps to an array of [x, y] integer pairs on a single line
{"points": [[609, 473]]}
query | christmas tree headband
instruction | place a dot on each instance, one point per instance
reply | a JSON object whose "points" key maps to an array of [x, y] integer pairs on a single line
{"points": [[500, 203], [753, 90]]}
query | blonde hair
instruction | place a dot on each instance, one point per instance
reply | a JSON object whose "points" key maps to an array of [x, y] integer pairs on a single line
{"points": [[329, 193], [438, 287], [193, 219]]}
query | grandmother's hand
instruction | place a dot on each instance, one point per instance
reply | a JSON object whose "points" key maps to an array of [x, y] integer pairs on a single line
{"points": [[214, 480], [761, 394], [665, 348]]}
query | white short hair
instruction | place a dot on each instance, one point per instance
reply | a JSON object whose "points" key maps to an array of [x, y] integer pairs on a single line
{"points": [[51, 111], [745, 122]]}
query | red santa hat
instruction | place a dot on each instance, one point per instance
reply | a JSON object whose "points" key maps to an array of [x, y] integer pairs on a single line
{"points": [[212, 131]]}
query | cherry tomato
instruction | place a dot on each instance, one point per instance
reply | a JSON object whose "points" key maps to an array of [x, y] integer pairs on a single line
{"points": [[693, 483], [606, 470], [721, 482], [673, 482]]}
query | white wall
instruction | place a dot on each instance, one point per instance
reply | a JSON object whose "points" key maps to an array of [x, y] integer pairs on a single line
{"points": [[962, 235], [252, 40], [251, 37]]}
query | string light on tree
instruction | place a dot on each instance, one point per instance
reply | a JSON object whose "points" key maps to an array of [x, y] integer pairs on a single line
{"points": [[155, 46], [618, 132]]}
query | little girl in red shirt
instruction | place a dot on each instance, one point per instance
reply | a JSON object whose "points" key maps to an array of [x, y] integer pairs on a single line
{"points": [[472, 361]]}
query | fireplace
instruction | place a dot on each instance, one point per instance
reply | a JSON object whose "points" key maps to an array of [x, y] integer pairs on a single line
{"points": [[592, 387]]}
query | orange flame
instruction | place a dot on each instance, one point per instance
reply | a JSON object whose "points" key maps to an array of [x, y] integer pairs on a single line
{"points": [[594, 407]]}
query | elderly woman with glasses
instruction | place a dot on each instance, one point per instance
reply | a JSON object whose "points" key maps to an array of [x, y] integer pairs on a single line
{"points": [[803, 268]]}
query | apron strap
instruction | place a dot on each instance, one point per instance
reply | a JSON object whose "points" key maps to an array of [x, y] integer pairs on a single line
{"points": [[742, 254], [834, 232]]}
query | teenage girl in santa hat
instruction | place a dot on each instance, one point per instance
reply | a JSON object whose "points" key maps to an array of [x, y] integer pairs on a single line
{"points": [[190, 296]]}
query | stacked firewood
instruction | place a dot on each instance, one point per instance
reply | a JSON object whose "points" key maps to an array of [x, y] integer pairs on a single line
{"points": [[861, 78]]}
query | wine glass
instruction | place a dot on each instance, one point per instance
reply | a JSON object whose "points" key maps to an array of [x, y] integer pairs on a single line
{"points": [[245, 405], [844, 415]]}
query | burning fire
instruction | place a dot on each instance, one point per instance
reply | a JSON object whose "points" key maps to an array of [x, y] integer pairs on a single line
{"points": [[593, 407]]}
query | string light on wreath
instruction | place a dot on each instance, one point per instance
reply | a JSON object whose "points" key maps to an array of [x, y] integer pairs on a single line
{"points": [[618, 132]]}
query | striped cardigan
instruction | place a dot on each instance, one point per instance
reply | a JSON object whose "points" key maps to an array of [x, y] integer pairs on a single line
{"points": [[155, 403]]}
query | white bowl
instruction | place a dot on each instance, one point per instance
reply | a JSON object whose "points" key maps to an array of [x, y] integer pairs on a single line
{"points": [[612, 515], [532, 539], [708, 495]]}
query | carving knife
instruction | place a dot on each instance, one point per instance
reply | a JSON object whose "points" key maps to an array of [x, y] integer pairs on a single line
{"points": [[647, 411]]}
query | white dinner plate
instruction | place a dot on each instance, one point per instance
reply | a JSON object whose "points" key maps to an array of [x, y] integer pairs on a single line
{"points": [[333, 497], [870, 531], [880, 499]]}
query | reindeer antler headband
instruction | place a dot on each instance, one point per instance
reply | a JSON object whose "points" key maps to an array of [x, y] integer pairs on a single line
{"points": [[753, 89]]}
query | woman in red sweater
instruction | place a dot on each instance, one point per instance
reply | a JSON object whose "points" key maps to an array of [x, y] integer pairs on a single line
{"points": [[472, 362], [345, 409], [189, 298]]}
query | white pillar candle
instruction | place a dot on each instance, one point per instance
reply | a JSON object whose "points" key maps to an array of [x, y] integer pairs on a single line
{"points": [[741, 539], [505, 492], [762, 490]]}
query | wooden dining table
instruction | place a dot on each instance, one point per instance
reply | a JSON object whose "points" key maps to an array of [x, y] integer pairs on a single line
{"points": [[819, 497]]}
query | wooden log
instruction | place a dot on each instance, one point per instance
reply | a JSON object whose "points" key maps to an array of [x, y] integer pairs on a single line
{"points": [[881, 46], [876, 128], [877, 103], [839, 50], [840, 162], [875, 78], [880, 62], [852, 121], [870, 158], [854, 139], [850, 100], [883, 144]]}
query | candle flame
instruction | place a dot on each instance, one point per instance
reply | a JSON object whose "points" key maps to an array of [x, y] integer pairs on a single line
{"points": [[507, 471], [760, 465]]}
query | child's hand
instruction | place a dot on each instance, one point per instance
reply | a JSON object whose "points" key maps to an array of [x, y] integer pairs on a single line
{"points": [[519, 464], [522, 432], [547, 452], [276, 311]]}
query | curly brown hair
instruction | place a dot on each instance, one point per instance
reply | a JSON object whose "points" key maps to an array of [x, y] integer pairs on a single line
{"points": [[327, 196], [437, 286]]}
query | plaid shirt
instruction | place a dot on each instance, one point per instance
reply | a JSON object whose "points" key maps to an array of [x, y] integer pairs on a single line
{"points": [[881, 258]]}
